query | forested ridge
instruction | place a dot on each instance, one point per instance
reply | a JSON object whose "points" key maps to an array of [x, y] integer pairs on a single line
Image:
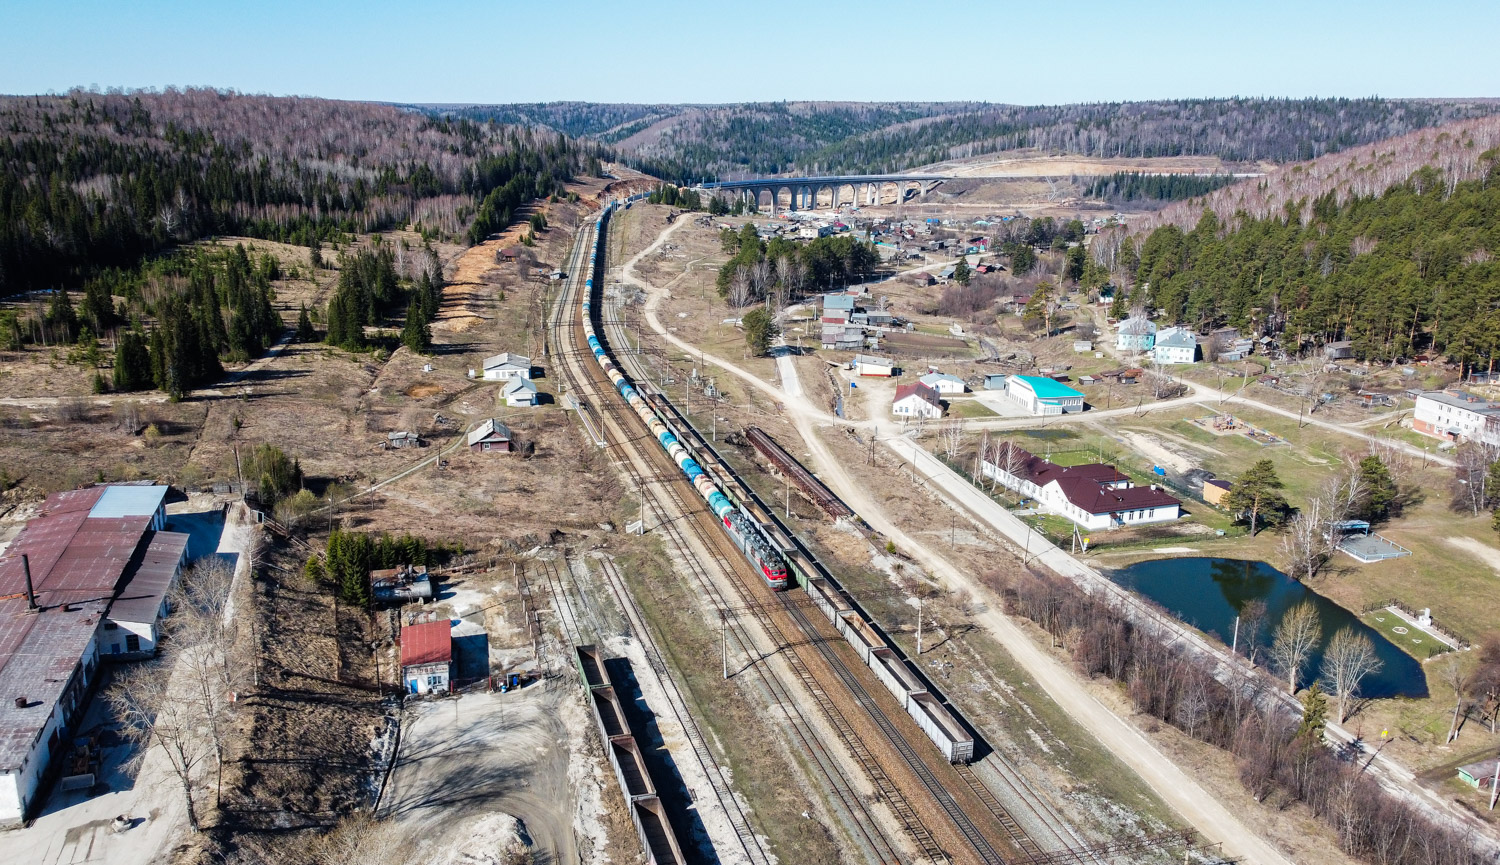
{"points": [[91, 180], [686, 143], [1390, 247], [99, 191]]}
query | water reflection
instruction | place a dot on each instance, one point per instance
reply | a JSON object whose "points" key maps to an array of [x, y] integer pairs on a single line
{"points": [[1209, 593]]}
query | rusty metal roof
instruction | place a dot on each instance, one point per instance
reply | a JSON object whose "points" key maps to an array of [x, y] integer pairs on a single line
{"points": [[429, 643], [149, 581]]}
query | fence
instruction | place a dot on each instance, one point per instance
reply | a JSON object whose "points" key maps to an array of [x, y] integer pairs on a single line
{"points": [[1433, 625]]}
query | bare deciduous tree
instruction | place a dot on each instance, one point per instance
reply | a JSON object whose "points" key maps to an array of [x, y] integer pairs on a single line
{"points": [[1349, 659], [1452, 674], [951, 434], [739, 294], [1252, 621], [1304, 545], [153, 718], [1295, 638]]}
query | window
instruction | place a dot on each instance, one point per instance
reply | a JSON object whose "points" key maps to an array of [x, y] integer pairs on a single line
{"points": [[132, 643], [434, 681]]}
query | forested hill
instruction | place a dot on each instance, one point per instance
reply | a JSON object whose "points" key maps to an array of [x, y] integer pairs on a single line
{"points": [[692, 142], [90, 180], [1391, 247]]}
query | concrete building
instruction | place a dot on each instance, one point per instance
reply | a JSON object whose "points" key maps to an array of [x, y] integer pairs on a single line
{"points": [[1043, 396], [943, 382], [427, 657], [1093, 496], [506, 366], [917, 400], [869, 364], [88, 576], [1136, 334], [519, 392], [1175, 345], [490, 435], [1457, 415]]}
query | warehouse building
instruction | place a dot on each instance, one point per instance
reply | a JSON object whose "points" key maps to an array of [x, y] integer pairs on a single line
{"points": [[88, 577], [1043, 396]]}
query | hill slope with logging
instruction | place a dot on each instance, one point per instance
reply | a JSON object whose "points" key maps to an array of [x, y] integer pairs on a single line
{"points": [[691, 142]]}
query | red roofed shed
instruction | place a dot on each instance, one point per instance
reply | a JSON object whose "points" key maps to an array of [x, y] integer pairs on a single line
{"points": [[427, 657]]}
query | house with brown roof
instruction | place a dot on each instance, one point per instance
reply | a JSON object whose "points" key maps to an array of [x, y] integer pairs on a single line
{"points": [[917, 400], [1094, 495]]}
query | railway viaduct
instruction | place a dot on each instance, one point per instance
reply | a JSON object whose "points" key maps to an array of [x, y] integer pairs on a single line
{"points": [[803, 192]]}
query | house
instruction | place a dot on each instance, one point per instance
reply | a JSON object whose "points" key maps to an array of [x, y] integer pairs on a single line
{"points": [[85, 579], [1083, 345], [1457, 415], [427, 657], [1214, 491], [917, 400], [1342, 350], [511, 253], [995, 381], [1137, 333], [1043, 396], [506, 366], [1175, 345], [869, 364], [943, 383], [1481, 775], [842, 337], [402, 440], [946, 273], [813, 232], [490, 435], [1094, 496], [519, 392], [834, 303], [401, 584]]}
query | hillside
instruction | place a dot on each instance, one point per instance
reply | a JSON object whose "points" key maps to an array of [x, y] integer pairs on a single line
{"points": [[91, 180], [690, 142], [1389, 246]]}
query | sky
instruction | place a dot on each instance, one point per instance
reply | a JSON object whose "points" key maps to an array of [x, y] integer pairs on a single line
{"points": [[763, 50]]}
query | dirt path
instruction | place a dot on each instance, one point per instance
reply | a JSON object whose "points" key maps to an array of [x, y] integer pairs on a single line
{"points": [[1488, 555]]}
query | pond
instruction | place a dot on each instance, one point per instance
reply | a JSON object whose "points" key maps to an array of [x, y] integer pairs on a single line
{"points": [[1209, 593]]}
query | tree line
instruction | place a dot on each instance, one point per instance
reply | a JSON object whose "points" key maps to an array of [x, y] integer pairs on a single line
{"points": [[1278, 754], [781, 269], [1406, 271], [1127, 186]]}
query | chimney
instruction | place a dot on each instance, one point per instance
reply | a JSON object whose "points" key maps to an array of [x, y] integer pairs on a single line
{"points": [[30, 592]]}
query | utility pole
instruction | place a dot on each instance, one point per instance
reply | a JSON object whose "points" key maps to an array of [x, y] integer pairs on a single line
{"points": [[788, 494], [1234, 648], [1495, 785], [919, 626], [724, 642]]}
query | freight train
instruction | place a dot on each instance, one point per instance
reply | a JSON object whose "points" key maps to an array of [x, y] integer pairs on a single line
{"points": [[774, 553], [748, 535]]}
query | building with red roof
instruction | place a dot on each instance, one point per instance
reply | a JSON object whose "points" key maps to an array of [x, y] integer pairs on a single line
{"points": [[917, 400], [427, 657], [1095, 496]]}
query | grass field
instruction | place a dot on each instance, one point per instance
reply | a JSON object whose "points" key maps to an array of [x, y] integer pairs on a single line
{"points": [[1412, 641], [969, 408]]}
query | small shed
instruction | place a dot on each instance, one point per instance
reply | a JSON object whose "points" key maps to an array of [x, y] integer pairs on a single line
{"points": [[994, 381], [510, 253], [1083, 345], [1342, 350], [427, 657], [1479, 775], [519, 392], [403, 439], [1214, 491], [490, 435]]}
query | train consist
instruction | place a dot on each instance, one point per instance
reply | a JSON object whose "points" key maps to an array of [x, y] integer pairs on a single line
{"points": [[745, 531], [774, 552]]}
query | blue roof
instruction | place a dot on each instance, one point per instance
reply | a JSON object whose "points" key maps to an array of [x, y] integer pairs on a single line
{"points": [[129, 501], [838, 301], [1046, 388]]}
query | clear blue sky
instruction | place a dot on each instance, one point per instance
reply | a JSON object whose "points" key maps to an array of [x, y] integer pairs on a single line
{"points": [[714, 51]]}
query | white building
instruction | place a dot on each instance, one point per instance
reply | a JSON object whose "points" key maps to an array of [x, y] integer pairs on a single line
{"points": [[519, 392], [1457, 415], [917, 400], [1093, 496], [1135, 334], [943, 382], [1176, 345], [1043, 396], [869, 364], [86, 577], [506, 366]]}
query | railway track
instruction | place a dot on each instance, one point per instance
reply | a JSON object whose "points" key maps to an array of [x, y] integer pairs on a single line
{"points": [[641, 465]]}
